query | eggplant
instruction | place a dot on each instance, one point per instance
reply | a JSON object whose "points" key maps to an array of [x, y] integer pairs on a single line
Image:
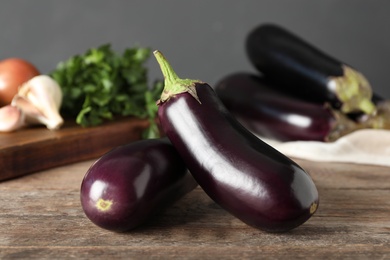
{"points": [[245, 176], [307, 72], [132, 183], [269, 113]]}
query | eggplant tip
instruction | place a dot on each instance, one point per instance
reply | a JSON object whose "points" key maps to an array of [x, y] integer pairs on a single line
{"points": [[103, 205], [313, 208]]}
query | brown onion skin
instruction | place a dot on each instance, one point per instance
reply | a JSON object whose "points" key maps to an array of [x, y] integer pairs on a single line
{"points": [[273, 114], [13, 73], [139, 179], [245, 176]]}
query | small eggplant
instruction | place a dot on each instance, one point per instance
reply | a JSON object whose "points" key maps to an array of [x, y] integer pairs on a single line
{"points": [[272, 114], [245, 176], [131, 183], [307, 72]]}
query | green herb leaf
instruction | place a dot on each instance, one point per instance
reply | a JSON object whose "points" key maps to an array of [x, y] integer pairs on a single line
{"points": [[101, 84]]}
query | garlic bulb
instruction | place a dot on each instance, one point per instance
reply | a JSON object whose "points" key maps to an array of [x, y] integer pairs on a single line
{"points": [[40, 100], [11, 118]]}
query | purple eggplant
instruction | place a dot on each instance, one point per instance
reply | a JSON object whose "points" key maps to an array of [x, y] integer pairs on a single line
{"points": [[132, 183], [269, 113], [245, 176], [307, 72]]}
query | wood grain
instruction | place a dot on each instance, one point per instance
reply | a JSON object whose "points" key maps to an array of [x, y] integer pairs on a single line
{"points": [[37, 148], [41, 218]]}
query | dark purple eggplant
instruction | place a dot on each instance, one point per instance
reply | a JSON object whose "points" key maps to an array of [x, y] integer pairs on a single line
{"points": [[130, 184], [307, 72], [256, 104], [245, 176]]}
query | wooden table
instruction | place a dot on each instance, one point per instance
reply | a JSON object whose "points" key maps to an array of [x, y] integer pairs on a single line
{"points": [[41, 217]]}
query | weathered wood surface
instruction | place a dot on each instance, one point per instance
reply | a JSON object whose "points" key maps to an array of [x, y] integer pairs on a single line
{"points": [[41, 217]]}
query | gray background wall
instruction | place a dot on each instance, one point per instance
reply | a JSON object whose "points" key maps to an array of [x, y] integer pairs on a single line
{"points": [[203, 39]]}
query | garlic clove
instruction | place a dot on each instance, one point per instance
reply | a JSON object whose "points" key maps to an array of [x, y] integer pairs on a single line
{"points": [[31, 113], [45, 95], [11, 118]]}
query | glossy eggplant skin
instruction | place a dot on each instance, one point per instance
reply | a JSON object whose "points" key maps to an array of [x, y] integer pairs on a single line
{"points": [[271, 114], [303, 70], [130, 184], [241, 173]]}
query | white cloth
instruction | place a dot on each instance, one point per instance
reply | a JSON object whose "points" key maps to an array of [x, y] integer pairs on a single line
{"points": [[367, 146]]}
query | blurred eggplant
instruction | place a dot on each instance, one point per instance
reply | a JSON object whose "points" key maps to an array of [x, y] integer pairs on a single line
{"points": [[245, 176], [307, 72], [130, 184], [269, 113]]}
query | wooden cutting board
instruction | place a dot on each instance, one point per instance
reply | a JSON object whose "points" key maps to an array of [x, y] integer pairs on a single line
{"points": [[37, 148]]}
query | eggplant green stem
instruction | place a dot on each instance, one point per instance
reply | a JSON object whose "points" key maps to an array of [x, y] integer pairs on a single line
{"points": [[354, 91], [381, 120], [174, 85], [342, 125]]}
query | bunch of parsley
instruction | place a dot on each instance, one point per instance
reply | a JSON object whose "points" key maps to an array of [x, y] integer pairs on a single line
{"points": [[102, 84]]}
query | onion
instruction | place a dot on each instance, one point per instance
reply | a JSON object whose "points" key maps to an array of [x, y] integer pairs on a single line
{"points": [[13, 73]]}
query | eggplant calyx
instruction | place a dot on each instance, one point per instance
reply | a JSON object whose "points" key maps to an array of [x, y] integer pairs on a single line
{"points": [[353, 90], [174, 85], [342, 125], [381, 120]]}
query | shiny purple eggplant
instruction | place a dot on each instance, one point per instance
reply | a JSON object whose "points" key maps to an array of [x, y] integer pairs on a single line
{"points": [[245, 176], [306, 71], [132, 183], [269, 113]]}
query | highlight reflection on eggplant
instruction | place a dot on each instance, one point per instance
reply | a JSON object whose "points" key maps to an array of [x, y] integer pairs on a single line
{"points": [[245, 176], [131, 183], [269, 113], [314, 75]]}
